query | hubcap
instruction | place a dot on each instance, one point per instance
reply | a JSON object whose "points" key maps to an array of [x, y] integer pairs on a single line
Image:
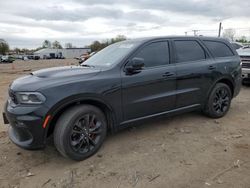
{"points": [[221, 100], [85, 133]]}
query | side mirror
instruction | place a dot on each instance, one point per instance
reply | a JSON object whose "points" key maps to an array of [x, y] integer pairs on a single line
{"points": [[135, 65]]}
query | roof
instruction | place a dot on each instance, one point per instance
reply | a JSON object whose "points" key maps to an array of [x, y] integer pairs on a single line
{"points": [[144, 39]]}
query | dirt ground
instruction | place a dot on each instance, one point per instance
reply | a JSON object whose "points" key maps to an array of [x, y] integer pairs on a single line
{"points": [[188, 150]]}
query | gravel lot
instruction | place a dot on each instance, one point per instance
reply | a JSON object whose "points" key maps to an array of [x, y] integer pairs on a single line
{"points": [[188, 150]]}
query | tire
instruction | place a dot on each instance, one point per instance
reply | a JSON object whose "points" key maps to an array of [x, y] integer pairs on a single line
{"points": [[219, 101], [80, 132]]}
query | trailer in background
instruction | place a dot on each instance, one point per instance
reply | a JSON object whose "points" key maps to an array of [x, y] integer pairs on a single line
{"points": [[68, 53]]}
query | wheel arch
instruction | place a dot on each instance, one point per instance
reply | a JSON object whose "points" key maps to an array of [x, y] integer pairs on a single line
{"points": [[226, 80], [56, 111]]}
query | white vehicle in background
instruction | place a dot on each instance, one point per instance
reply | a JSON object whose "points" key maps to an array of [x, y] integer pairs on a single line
{"points": [[244, 54], [7, 59], [4, 58]]}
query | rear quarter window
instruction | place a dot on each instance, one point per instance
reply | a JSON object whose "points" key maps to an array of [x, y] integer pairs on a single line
{"points": [[218, 49]]}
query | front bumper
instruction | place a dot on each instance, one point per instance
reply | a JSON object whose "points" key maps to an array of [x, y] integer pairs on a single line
{"points": [[245, 73], [25, 128]]}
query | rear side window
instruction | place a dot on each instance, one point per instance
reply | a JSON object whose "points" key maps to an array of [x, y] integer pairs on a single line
{"points": [[218, 49], [189, 51], [155, 54]]}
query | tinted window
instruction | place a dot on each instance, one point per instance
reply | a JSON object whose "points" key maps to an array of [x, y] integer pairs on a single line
{"points": [[189, 51], [218, 49], [155, 54]]}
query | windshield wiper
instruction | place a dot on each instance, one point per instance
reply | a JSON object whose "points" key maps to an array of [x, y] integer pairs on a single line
{"points": [[86, 65]]}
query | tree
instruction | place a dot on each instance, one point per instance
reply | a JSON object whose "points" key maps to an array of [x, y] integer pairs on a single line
{"points": [[68, 45], [96, 45], [229, 34], [25, 50], [4, 47], [56, 45], [120, 38], [17, 50], [242, 39], [46, 44], [38, 48]]}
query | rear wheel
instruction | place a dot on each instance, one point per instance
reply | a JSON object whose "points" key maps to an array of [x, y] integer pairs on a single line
{"points": [[80, 132], [219, 101]]}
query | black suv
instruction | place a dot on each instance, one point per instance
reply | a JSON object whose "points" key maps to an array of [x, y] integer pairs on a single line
{"points": [[122, 84]]}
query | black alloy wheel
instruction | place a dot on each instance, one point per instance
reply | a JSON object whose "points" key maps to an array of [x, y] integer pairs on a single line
{"points": [[80, 132], [85, 133], [219, 101]]}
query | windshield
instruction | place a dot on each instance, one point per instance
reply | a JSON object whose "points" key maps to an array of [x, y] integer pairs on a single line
{"points": [[111, 55]]}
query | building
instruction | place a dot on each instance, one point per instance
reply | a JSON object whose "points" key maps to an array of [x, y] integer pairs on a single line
{"points": [[69, 53]]}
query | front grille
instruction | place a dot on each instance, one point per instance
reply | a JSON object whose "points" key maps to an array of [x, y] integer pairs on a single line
{"points": [[246, 65], [12, 96], [245, 58]]}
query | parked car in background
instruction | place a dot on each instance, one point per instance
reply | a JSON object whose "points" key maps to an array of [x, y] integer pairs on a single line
{"points": [[244, 54], [7, 59], [246, 45], [124, 83], [86, 56], [36, 57]]}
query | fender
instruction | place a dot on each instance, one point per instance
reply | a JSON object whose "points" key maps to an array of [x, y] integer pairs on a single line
{"points": [[74, 99], [224, 77]]}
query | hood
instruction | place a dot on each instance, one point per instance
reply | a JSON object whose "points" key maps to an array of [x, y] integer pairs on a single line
{"points": [[65, 71], [53, 76], [244, 52]]}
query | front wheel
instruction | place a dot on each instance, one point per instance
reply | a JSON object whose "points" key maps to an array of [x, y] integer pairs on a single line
{"points": [[219, 101], [80, 132]]}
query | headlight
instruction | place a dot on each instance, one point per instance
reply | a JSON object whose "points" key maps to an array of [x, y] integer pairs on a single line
{"points": [[30, 98]]}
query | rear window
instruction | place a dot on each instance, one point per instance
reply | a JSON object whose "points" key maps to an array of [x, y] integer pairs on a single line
{"points": [[218, 49], [189, 51]]}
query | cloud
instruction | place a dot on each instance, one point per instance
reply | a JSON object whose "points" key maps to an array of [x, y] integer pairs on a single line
{"points": [[211, 8], [67, 20]]}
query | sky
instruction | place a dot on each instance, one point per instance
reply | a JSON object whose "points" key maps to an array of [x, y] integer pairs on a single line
{"points": [[27, 23]]}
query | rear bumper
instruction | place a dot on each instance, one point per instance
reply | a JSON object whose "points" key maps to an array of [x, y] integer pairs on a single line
{"points": [[25, 128]]}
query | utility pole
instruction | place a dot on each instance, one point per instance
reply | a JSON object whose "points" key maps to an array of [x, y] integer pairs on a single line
{"points": [[186, 33], [219, 29], [195, 32]]}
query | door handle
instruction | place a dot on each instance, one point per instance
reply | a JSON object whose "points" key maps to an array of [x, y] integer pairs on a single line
{"points": [[167, 74], [211, 67]]}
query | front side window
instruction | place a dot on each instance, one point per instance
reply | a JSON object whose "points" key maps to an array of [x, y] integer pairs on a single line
{"points": [[154, 54], [189, 51]]}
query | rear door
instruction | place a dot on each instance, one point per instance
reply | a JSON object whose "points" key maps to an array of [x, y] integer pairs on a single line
{"points": [[195, 72], [152, 90]]}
